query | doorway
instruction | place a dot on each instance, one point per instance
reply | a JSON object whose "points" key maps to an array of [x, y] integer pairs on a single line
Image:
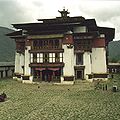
{"points": [[79, 74], [47, 75]]}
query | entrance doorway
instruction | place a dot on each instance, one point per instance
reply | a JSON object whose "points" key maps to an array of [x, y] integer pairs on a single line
{"points": [[47, 75], [79, 74]]}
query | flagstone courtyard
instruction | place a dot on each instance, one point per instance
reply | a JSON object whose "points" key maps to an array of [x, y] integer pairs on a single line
{"points": [[46, 101]]}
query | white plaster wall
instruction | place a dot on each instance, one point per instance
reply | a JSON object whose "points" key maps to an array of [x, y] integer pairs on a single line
{"points": [[99, 60], [17, 62], [87, 63], [9, 72], [21, 63], [27, 70], [2, 68], [74, 59], [68, 59], [4, 74]]}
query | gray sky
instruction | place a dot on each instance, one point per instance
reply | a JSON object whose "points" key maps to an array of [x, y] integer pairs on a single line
{"points": [[106, 13]]}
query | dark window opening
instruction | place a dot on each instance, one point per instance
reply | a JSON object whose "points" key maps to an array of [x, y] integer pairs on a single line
{"points": [[83, 45], [45, 57], [56, 43], [57, 57], [79, 58], [1, 74], [46, 44], [79, 74]]}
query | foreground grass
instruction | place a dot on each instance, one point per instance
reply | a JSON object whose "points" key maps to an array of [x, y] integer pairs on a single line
{"points": [[59, 102]]}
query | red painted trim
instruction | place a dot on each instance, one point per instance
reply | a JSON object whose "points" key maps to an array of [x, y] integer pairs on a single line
{"points": [[68, 39], [99, 42]]}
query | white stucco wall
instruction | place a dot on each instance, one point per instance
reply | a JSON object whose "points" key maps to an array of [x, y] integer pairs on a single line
{"points": [[4, 74], [74, 59], [27, 70], [99, 60], [17, 62], [21, 63], [6, 71], [87, 64], [68, 59], [10, 72]]}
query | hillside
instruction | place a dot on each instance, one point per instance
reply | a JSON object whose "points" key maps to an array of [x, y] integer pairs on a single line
{"points": [[7, 46], [114, 51]]}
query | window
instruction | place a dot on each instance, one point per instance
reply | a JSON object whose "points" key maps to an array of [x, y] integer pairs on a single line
{"points": [[46, 44], [40, 43], [61, 57], [79, 58], [50, 57], [51, 44], [41, 57], [80, 29], [53, 57], [35, 44], [46, 57], [38, 57], [56, 43], [83, 44], [34, 57], [57, 57], [31, 57]]}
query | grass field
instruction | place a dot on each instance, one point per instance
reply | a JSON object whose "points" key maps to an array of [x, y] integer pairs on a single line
{"points": [[59, 102]]}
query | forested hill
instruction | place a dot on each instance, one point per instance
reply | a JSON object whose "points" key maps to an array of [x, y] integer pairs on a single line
{"points": [[7, 46], [114, 51]]}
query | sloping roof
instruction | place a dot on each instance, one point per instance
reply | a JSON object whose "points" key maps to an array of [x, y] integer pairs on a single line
{"points": [[59, 20], [61, 25], [15, 33], [109, 33], [58, 23]]}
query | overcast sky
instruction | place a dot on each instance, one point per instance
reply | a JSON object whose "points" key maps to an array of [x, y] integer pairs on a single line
{"points": [[106, 13]]}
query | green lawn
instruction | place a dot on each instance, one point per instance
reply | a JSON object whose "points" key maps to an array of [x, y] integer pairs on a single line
{"points": [[56, 102]]}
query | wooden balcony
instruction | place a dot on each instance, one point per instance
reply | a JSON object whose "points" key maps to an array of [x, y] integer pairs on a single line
{"points": [[46, 50], [46, 65]]}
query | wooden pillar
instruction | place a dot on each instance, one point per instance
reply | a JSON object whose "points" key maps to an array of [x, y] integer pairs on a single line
{"points": [[41, 75], [53, 75]]}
